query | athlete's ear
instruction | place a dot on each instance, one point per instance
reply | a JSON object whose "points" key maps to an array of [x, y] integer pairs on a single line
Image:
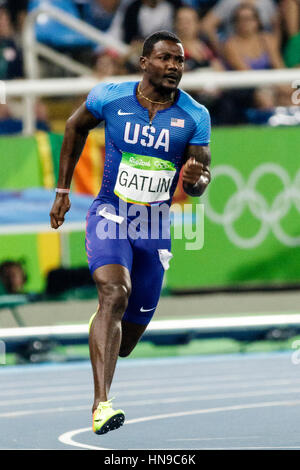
{"points": [[143, 63]]}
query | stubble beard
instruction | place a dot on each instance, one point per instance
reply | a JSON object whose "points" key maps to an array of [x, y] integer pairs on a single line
{"points": [[163, 90]]}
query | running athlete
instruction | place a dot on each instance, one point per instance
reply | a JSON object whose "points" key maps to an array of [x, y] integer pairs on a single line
{"points": [[152, 130]]}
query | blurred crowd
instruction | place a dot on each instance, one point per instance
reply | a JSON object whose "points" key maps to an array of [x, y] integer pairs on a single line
{"points": [[217, 35]]}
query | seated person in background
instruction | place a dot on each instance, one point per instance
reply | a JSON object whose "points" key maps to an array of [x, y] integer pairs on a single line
{"points": [[249, 47], [136, 19], [12, 277], [220, 16], [144, 17], [10, 56], [18, 12], [11, 118], [108, 63], [197, 52]]}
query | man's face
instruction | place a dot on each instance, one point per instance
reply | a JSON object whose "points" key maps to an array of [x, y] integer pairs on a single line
{"points": [[164, 66]]}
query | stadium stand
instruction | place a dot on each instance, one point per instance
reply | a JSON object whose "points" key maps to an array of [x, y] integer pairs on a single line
{"points": [[122, 22]]}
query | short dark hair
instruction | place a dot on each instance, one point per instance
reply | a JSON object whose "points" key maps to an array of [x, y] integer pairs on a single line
{"points": [[151, 40]]}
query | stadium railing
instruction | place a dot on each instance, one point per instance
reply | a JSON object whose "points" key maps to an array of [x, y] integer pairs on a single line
{"points": [[32, 48], [191, 81], [32, 88], [163, 332]]}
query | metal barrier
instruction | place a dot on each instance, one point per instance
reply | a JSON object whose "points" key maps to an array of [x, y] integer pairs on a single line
{"points": [[32, 49], [164, 332], [191, 81]]}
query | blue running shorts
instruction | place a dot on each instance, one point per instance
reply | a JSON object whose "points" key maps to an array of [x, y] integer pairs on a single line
{"points": [[108, 242]]}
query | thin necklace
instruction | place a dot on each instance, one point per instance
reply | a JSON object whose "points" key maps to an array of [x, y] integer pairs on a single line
{"points": [[152, 101]]}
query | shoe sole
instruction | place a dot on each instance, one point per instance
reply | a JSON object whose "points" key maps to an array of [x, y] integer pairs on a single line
{"points": [[113, 423]]}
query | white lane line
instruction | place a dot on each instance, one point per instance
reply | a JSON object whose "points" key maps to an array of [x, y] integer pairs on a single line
{"points": [[23, 386], [54, 389], [155, 391], [119, 382], [48, 399], [191, 399], [67, 438], [118, 385], [212, 438], [60, 409], [133, 384]]}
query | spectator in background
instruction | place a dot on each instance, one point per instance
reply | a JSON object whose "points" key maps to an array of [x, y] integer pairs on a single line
{"points": [[10, 56], [291, 18], [220, 15], [108, 63], [292, 51], [12, 277], [197, 54], [137, 19], [144, 17], [18, 12], [249, 47], [252, 48], [11, 118], [290, 13], [201, 6]]}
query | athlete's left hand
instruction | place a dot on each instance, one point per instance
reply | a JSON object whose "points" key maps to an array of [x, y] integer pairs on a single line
{"points": [[193, 171]]}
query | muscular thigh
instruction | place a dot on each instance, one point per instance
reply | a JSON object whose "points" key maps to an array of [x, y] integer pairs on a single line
{"points": [[148, 267], [106, 251]]}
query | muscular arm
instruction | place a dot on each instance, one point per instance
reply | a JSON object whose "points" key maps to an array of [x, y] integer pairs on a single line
{"points": [[196, 174], [76, 132]]}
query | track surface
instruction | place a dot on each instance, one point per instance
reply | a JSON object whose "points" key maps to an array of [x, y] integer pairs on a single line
{"points": [[216, 402]]}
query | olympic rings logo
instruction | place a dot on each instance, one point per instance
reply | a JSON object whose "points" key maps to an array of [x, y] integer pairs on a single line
{"points": [[247, 196], [161, 165]]}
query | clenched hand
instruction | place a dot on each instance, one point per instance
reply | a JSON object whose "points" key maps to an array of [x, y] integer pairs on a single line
{"points": [[193, 171], [60, 207]]}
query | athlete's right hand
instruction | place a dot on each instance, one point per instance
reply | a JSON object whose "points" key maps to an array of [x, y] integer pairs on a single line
{"points": [[60, 207]]}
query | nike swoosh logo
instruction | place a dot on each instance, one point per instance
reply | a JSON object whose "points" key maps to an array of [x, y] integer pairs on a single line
{"points": [[120, 113], [147, 310]]}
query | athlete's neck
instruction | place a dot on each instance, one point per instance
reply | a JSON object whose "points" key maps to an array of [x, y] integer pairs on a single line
{"points": [[155, 97]]}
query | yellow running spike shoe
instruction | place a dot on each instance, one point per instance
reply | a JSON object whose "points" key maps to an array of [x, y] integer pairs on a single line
{"points": [[91, 320], [106, 419]]}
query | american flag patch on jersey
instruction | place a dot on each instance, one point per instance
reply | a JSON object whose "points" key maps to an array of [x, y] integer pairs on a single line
{"points": [[177, 122]]}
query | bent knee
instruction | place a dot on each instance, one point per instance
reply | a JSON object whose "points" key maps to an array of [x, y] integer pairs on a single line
{"points": [[113, 295], [124, 352]]}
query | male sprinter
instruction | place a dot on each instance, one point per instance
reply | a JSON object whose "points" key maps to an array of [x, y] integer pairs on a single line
{"points": [[152, 130]]}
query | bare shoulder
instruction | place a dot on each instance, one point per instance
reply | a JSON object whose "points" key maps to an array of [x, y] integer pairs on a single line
{"points": [[231, 41], [230, 45], [269, 38], [83, 119]]}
